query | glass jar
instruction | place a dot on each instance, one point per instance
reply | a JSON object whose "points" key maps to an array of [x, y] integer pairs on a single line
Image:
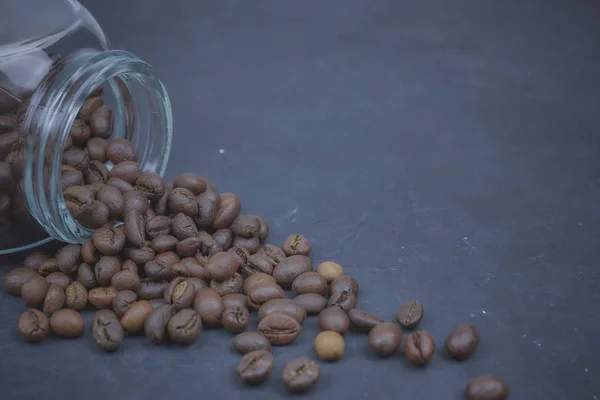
{"points": [[53, 57]]}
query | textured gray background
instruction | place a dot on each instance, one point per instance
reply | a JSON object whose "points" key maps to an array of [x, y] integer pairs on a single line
{"points": [[441, 150]]}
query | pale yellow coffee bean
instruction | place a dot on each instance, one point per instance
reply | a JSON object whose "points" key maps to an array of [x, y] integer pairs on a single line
{"points": [[329, 345], [330, 270]]}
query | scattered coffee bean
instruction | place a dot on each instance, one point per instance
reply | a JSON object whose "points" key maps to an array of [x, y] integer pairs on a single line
{"points": [[127, 171], [282, 306], [96, 149], [363, 321], [250, 341], [159, 226], [33, 291], [155, 327], [68, 258], [462, 341], [85, 275], [300, 375], [89, 252], [334, 319], [163, 243], [150, 289], [134, 228], [119, 150], [251, 244], [255, 280], [123, 301], [222, 266], [344, 299], [135, 200], [343, 283], [198, 284], [120, 184], [209, 305], [102, 297], [14, 280], [105, 268], [228, 286], [246, 226], [139, 256], [330, 270], [76, 158], [241, 254], [260, 294], [125, 280], [185, 326], [159, 271], [59, 278], [130, 265], [264, 229], [410, 314], [96, 172], [107, 331], [313, 303], [109, 240], [235, 319], [182, 200], [290, 268], [208, 246], [279, 329], [76, 296], [257, 263], [101, 122], [151, 184], [134, 318], [228, 209], [35, 260], [183, 226], [274, 254], [487, 388], [235, 300], [419, 348], [49, 266], [180, 293], [113, 198], [67, 323], [223, 238], [94, 215], [385, 338], [168, 258], [33, 325], [255, 367], [54, 301], [195, 268], [329, 345], [296, 245], [309, 282], [192, 182], [88, 108]]}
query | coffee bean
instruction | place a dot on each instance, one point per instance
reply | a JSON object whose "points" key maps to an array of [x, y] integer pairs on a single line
{"points": [[58, 278], [71, 178], [410, 314], [256, 280], [35, 260], [123, 186], [89, 253], [94, 215], [80, 132], [76, 296], [134, 228], [109, 240], [180, 270], [119, 150], [183, 226], [194, 183], [159, 271], [185, 326], [329, 345], [128, 171], [363, 321], [246, 225], [54, 301], [300, 375], [223, 238], [207, 209], [228, 286], [260, 294], [158, 226], [102, 297], [139, 256], [105, 268], [222, 266], [48, 266], [310, 282], [251, 244], [385, 338], [208, 246], [235, 300], [77, 199], [290, 268], [180, 293], [168, 257], [257, 263], [155, 327], [209, 305], [343, 283], [487, 388], [255, 367], [419, 348], [33, 291], [125, 280], [200, 284], [330, 270], [68, 258], [151, 184], [195, 269], [462, 341], [67, 323], [89, 106], [334, 319], [282, 306], [107, 331], [250, 341], [113, 198], [33, 325], [345, 300], [157, 303], [96, 149], [264, 229], [130, 265], [14, 280], [123, 301], [76, 158], [279, 329], [188, 247], [150, 289], [235, 319], [101, 122], [96, 172], [182, 200], [135, 200], [313, 303], [296, 245], [163, 243], [241, 254], [134, 318], [228, 209]]}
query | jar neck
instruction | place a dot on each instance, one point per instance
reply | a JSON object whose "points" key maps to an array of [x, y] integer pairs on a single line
{"points": [[141, 113]]}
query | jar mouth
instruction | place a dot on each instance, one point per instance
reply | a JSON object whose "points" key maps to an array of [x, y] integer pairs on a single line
{"points": [[141, 113]]}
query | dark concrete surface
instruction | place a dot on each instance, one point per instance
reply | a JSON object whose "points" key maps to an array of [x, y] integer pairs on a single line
{"points": [[445, 151]]}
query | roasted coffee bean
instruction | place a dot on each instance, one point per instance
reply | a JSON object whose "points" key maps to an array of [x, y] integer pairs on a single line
{"points": [[251, 244], [209, 305], [180, 293], [134, 228], [125, 280], [343, 283], [96, 148], [48, 266], [33, 291], [168, 258], [80, 132], [95, 186], [257, 263], [264, 229], [135, 200], [282, 306], [139, 256], [158, 226], [210, 194], [222, 266], [296, 245], [54, 301], [127, 171], [310, 282], [71, 178], [279, 329], [107, 330], [33, 325], [150, 289], [462, 341], [68, 258], [151, 184], [183, 226], [163, 243], [235, 300], [207, 209], [313, 303], [241, 254], [161, 206], [159, 271], [59, 278], [228, 286], [330, 270], [155, 327], [96, 172], [102, 297], [255, 367], [208, 246], [134, 318], [76, 158], [329, 345], [101, 122], [334, 319], [76, 296], [113, 198], [188, 247], [195, 268], [256, 280], [192, 182], [250, 341], [94, 216], [235, 319], [109, 240], [89, 253], [14, 280], [246, 225], [200, 284], [300, 375], [122, 301], [123, 186], [260, 294], [119, 150], [228, 209], [157, 303], [185, 326], [105, 268], [130, 265], [67, 323], [78, 199], [35, 260], [182, 200], [385, 338], [410, 314], [345, 300], [487, 388], [290, 268], [88, 108], [363, 321], [419, 348], [223, 238]]}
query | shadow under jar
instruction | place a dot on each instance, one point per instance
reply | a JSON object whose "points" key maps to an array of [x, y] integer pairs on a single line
{"points": [[53, 59]]}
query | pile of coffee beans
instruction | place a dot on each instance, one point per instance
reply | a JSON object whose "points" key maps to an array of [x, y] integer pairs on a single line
{"points": [[165, 261]]}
